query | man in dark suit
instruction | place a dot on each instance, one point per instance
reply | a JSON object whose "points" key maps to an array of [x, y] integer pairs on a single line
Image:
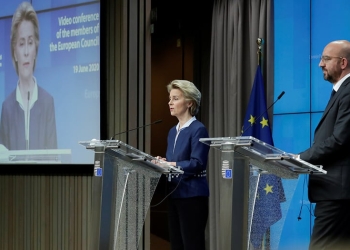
{"points": [[331, 148]]}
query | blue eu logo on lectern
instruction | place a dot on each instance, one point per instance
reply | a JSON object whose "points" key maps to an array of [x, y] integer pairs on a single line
{"points": [[228, 174], [98, 172]]}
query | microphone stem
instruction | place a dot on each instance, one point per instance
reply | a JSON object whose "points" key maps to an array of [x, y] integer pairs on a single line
{"points": [[27, 127], [127, 131], [279, 97]]}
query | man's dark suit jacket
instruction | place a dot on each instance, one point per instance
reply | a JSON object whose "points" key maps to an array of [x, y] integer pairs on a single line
{"points": [[331, 148]]}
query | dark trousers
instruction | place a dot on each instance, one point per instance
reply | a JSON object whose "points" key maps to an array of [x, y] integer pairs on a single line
{"points": [[331, 230], [187, 221]]}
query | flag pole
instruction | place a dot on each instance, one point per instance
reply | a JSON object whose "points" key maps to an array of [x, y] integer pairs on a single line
{"points": [[266, 209], [266, 238], [260, 42]]}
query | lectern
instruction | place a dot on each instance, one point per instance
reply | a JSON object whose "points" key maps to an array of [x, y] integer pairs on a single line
{"points": [[243, 161], [128, 179]]}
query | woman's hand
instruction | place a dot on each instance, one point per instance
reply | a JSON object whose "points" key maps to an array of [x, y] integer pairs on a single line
{"points": [[158, 160]]}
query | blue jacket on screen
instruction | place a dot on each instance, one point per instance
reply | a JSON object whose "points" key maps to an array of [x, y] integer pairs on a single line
{"points": [[42, 127]]}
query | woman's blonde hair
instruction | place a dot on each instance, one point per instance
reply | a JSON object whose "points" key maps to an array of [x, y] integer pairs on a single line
{"points": [[24, 12], [190, 92]]}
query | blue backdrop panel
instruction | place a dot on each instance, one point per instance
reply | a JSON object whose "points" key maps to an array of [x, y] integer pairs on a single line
{"points": [[292, 50], [302, 29], [325, 30], [8, 8], [49, 4], [291, 133]]}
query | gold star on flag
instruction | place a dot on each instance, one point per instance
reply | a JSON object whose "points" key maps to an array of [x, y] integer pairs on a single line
{"points": [[268, 188], [251, 120], [264, 122]]}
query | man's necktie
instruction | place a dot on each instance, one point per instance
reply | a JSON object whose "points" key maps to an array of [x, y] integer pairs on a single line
{"points": [[333, 92]]}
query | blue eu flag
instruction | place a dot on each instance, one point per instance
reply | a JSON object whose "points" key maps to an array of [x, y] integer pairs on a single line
{"points": [[270, 192]]}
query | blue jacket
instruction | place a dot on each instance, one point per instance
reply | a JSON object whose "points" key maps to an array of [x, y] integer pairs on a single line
{"points": [[191, 155], [42, 133]]}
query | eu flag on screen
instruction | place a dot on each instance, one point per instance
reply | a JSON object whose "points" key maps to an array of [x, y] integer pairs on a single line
{"points": [[267, 210]]}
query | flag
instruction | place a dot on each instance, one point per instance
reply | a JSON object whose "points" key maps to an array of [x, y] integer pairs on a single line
{"points": [[270, 193]]}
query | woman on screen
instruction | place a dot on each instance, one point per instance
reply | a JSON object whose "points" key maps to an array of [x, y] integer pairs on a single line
{"points": [[28, 114]]}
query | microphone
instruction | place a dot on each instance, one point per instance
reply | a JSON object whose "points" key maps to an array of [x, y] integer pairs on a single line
{"points": [[126, 131], [27, 129], [279, 97]]}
